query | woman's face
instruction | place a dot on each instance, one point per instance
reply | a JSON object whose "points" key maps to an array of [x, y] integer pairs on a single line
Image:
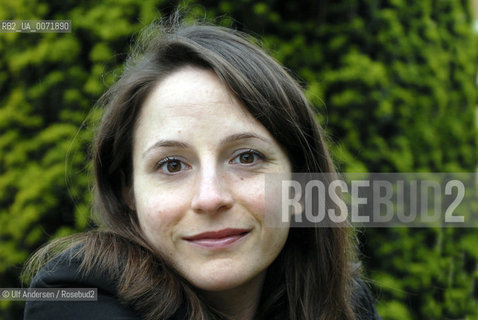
{"points": [[199, 161]]}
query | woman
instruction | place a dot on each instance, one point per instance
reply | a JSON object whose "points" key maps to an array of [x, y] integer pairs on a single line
{"points": [[192, 127]]}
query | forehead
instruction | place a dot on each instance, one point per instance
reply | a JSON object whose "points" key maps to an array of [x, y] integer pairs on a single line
{"points": [[193, 98]]}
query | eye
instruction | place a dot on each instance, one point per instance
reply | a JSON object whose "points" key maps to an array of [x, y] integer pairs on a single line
{"points": [[248, 157], [171, 165]]}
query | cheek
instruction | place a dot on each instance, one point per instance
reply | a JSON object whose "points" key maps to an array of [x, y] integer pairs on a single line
{"points": [[273, 242], [274, 235], [252, 195], [158, 215]]}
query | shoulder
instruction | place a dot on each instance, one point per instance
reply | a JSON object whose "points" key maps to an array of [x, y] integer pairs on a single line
{"points": [[364, 303], [63, 271]]}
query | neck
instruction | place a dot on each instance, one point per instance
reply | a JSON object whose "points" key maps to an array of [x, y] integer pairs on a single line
{"points": [[239, 303]]}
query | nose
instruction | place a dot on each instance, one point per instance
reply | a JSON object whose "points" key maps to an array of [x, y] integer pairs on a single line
{"points": [[211, 194]]}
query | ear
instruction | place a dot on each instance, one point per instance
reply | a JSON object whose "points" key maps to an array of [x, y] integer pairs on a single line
{"points": [[127, 192], [128, 197]]}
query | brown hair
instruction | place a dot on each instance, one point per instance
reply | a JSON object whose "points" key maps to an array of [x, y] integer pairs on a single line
{"points": [[311, 279]]}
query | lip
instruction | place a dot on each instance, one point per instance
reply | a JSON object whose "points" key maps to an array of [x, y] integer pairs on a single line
{"points": [[218, 239]]}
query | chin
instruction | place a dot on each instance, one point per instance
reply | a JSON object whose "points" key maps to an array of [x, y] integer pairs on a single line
{"points": [[218, 283], [225, 279]]}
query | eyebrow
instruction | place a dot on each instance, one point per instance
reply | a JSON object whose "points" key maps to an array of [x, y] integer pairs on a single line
{"points": [[183, 145], [242, 136], [167, 144]]}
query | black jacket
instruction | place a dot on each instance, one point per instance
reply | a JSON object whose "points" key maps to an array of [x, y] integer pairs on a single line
{"points": [[63, 272]]}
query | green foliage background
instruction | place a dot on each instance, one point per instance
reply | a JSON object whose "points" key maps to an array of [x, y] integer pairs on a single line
{"points": [[395, 83]]}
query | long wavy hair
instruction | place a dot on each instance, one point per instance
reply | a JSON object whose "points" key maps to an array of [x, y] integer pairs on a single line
{"points": [[313, 276]]}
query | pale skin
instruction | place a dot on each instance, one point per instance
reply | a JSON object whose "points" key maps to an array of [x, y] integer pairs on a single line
{"points": [[199, 161]]}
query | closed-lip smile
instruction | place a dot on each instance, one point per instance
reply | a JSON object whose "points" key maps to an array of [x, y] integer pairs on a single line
{"points": [[217, 239]]}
